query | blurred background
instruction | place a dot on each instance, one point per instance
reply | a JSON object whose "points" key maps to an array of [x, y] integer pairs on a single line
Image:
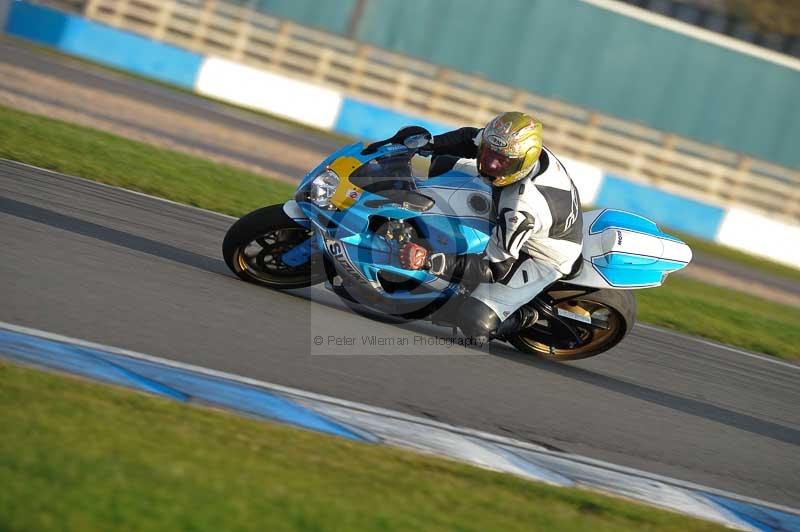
{"points": [[681, 110]]}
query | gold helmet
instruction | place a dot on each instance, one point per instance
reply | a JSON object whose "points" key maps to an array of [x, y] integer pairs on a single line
{"points": [[510, 146]]}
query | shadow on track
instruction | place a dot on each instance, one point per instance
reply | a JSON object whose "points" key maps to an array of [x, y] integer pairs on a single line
{"points": [[681, 403], [673, 401], [111, 236]]}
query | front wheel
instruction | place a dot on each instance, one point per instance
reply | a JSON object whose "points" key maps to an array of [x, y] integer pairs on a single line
{"points": [[254, 246], [580, 325]]}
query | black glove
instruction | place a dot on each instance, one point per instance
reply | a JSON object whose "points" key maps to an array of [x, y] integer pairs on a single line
{"points": [[398, 138]]}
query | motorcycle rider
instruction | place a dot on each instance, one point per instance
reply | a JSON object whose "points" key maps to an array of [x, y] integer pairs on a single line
{"points": [[537, 237]]}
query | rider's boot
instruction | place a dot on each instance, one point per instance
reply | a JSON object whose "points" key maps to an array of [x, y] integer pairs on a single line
{"points": [[479, 321], [524, 317]]}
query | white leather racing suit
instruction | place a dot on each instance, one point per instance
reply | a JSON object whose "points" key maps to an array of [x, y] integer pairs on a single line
{"points": [[536, 239]]}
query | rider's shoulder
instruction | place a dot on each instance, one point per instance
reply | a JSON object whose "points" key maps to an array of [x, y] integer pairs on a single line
{"points": [[551, 171], [519, 190], [550, 162]]}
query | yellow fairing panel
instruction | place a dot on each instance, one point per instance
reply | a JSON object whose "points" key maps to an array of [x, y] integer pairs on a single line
{"points": [[347, 193]]}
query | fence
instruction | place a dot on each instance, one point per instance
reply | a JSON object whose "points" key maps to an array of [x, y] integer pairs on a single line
{"points": [[664, 160], [720, 16]]}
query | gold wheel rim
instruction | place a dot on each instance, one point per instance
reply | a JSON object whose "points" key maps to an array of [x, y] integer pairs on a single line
{"points": [[599, 336], [248, 264]]}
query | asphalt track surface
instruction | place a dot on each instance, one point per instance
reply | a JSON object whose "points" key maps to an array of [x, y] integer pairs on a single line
{"points": [[123, 269]]}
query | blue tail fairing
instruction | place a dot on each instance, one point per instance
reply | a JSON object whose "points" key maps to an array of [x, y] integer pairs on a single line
{"points": [[615, 219], [622, 267]]}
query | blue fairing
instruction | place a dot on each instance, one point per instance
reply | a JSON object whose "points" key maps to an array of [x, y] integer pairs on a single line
{"points": [[448, 234], [626, 270], [471, 232], [612, 218], [457, 181], [369, 254], [299, 254]]}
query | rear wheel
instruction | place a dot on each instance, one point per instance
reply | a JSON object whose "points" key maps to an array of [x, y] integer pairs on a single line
{"points": [[580, 325], [254, 246]]}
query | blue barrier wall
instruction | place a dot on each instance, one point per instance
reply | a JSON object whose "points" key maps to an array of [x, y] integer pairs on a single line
{"points": [[372, 122], [39, 24], [676, 212], [91, 40]]}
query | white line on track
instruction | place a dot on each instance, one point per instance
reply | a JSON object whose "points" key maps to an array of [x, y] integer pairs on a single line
{"points": [[687, 337], [742, 352]]}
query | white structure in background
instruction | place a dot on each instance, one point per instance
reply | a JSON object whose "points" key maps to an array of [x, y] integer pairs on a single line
{"points": [[587, 178], [258, 89], [757, 234]]}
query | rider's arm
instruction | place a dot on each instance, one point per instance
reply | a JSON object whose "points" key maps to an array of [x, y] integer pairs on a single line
{"points": [[472, 270], [462, 142], [512, 229]]}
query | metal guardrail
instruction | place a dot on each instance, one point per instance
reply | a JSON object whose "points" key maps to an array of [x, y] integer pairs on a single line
{"points": [[673, 163]]}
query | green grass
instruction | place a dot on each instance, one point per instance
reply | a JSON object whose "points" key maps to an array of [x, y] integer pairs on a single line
{"points": [[114, 160], [696, 308], [81, 456], [723, 315]]}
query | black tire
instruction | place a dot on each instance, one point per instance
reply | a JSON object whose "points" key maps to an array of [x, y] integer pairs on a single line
{"points": [[621, 311], [275, 233]]}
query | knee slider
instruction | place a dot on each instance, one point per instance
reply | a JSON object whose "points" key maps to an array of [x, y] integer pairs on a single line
{"points": [[477, 319]]}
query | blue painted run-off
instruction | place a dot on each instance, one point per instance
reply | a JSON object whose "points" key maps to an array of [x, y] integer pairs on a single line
{"points": [[186, 385], [161, 379], [671, 210], [758, 516], [98, 42], [373, 122]]}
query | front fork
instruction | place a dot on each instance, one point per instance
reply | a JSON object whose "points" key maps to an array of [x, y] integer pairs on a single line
{"points": [[301, 253]]}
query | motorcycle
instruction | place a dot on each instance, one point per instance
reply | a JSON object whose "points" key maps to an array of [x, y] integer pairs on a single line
{"points": [[352, 213]]}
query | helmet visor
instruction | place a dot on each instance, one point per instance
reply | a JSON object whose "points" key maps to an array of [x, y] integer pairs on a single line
{"points": [[494, 164]]}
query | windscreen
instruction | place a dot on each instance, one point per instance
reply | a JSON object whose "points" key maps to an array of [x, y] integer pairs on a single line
{"points": [[392, 172]]}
